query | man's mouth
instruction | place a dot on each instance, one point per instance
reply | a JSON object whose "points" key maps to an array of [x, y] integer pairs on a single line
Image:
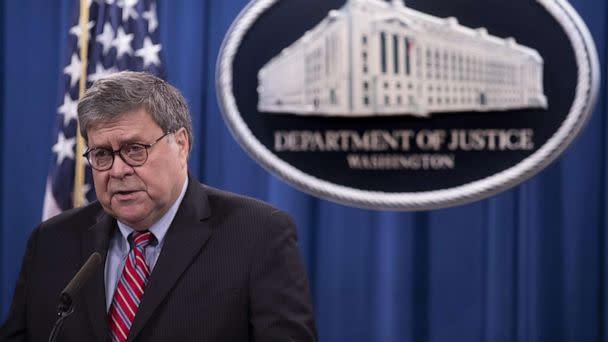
{"points": [[123, 194]]}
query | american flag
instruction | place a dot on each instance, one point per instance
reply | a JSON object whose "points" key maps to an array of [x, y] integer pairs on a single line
{"points": [[123, 35]]}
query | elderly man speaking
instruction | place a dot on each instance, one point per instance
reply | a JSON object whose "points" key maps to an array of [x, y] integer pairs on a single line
{"points": [[181, 261]]}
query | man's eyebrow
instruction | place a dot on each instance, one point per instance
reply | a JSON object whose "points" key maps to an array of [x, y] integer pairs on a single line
{"points": [[132, 140]]}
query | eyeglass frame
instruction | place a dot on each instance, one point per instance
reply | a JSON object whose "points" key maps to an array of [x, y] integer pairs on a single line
{"points": [[146, 147]]}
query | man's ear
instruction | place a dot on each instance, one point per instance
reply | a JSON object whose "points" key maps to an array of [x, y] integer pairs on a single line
{"points": [[183, 144]]}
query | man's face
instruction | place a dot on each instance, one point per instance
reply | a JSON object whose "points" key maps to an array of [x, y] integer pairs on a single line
{"points": [[138, 196]]}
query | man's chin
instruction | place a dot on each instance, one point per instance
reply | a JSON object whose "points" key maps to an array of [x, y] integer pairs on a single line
{"points": [[133, 219]]}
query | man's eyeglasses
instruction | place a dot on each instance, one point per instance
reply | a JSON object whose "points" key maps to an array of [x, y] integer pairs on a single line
{"points": [[134, 154]]}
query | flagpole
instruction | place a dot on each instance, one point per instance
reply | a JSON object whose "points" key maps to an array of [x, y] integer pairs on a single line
{"points": [[78, 195]]}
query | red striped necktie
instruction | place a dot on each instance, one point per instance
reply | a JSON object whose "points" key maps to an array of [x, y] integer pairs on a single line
{"points": [[130, 287]]}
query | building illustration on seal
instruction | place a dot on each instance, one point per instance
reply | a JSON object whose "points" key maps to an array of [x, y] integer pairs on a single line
{"points": [[373, 57]]}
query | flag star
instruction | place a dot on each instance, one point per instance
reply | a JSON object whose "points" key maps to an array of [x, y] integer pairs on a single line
{"points": [[151, 17], [75, 30], [128, 9], [123, 43], [69, 109], [64, 148], [73, 70], [106, 37], [101, 72], [149, 52]]}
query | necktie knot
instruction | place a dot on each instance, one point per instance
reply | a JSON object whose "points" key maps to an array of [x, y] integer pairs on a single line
{"points": [[141, 239]]}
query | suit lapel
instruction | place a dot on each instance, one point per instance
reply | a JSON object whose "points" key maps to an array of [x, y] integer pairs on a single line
{"points": [[96, 239], [188, 233]]}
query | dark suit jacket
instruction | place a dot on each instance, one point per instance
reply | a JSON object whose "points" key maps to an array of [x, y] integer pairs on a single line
{"points": [[229, 270]]}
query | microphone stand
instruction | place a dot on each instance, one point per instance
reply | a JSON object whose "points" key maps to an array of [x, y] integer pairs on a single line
{"points": [[64, 310]]}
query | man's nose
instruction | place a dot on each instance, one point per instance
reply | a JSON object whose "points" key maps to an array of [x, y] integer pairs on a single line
{"points": [[120, 168]]}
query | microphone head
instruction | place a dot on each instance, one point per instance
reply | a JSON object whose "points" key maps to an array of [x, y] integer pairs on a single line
{"points": [[81, 277]]}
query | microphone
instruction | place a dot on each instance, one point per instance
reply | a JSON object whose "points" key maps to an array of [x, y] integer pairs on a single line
{"points": [[83, 275], [64, 309]]}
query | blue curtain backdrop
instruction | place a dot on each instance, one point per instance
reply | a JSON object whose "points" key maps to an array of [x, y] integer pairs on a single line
{"points": [[526, 265]]}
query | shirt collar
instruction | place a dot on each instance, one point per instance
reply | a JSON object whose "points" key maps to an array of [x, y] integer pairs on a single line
{"points": [[159, 228]]}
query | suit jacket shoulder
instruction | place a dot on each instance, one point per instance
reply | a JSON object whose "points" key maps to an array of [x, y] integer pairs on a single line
{"points": [[53, 255], [248, 270]]}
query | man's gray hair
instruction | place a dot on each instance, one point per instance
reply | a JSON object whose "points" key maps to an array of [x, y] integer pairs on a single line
{"points": [[113, 96]]}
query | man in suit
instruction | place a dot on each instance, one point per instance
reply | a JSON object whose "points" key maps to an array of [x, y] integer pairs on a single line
{"points": [[181, 261]]}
